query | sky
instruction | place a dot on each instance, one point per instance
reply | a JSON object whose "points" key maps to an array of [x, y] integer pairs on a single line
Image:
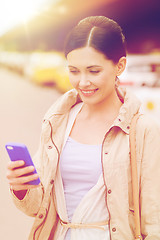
{"points": [[14, 12]]}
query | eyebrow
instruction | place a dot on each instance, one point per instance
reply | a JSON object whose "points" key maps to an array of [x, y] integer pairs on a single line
{"points": [[87, 67], [94, 66]]}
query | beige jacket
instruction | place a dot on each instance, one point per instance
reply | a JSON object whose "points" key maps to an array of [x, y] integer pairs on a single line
{"points": [[116, 172]]}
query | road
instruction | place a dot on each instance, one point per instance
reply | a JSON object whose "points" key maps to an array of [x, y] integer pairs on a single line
{"points": [[22, 107]]}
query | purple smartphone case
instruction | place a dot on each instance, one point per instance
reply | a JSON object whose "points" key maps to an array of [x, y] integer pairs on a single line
{"points": [[18, 151]]}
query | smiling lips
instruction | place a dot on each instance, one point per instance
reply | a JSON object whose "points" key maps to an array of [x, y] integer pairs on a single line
{"points": [[88, 93]]}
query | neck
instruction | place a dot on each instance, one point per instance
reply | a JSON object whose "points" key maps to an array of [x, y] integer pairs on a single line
{"points": [[109, 107]]}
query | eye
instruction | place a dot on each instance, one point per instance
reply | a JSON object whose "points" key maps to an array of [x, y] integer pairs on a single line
{"points": [[94, 72], [74, 71]]}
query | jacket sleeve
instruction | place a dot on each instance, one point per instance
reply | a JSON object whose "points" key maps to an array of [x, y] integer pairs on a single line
{"points": [[150, 180], [30, 204]]}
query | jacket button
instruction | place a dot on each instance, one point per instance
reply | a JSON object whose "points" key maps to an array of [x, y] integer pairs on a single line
{"points": [[49, 147], [113, 229], [128, 127], [40, 216], [52, 181], [109, 191], [106, 153]]}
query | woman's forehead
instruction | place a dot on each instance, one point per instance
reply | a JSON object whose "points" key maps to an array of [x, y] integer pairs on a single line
{"points": [[86, 56]]}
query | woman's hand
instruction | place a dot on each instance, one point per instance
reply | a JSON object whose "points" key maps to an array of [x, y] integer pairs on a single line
{"points": [[16, 178]]}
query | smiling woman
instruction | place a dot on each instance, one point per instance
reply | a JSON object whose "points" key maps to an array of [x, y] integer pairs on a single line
{"points": [[92, 74], [84, 157], [17, 11]]}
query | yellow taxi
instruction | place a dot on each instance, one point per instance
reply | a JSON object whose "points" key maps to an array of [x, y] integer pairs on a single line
{"points": [[48, 69]]}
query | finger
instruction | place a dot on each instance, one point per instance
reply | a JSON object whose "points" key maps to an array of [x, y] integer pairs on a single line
{"points": [[15, 164], [22, 171], [15, 173], [23, 179]]}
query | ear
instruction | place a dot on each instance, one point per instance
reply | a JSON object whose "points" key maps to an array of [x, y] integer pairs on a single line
{"points": [[121, 65]]}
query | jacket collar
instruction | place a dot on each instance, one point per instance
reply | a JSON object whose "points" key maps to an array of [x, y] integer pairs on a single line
{"points": [[128, 109]]}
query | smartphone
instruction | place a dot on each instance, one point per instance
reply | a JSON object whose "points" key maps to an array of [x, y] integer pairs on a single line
{"points": [[18, 151]]}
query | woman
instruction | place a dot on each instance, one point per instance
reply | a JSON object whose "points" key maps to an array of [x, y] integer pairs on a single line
{"points": [[83, 159]]}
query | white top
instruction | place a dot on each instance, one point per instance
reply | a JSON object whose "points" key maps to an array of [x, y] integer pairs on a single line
{"points": [[80, 167], [80, 190]]}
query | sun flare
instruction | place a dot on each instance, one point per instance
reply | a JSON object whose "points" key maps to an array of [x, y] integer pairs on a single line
{"points": [[17, 11]]}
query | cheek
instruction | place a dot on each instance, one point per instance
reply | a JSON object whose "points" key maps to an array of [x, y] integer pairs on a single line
{"points": [[107, 83], [73, 80], [104, 80]]}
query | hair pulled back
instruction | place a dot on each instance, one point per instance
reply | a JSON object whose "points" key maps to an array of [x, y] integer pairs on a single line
{"points": [[99, 32]]}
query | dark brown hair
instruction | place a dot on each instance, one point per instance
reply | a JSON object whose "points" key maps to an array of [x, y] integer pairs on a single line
{"points": [[99, 32]]}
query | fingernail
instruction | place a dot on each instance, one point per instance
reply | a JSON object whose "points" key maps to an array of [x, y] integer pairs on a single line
{"points": [[21, 162], [31, 167]]}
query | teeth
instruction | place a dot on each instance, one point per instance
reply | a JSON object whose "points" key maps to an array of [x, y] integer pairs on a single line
{"points": [[88, 91]]}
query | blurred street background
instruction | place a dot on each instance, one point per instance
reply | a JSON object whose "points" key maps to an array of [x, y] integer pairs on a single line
{"points": [[33, 72]]}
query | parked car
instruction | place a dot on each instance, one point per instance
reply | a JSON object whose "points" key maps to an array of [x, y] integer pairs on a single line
{"points": [[142, 70], [14, 61], [48, 69], [142, 76]]}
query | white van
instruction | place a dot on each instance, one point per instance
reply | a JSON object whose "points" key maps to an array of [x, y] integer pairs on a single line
{"points": [[142, 76]]}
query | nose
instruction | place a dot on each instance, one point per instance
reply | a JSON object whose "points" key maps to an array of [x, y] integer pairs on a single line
{"points": [[83, 81]]}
